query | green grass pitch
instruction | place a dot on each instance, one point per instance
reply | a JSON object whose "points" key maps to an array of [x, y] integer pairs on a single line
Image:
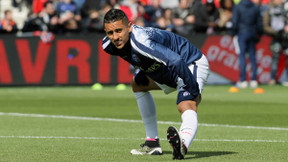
{"points": [[81, 124]]}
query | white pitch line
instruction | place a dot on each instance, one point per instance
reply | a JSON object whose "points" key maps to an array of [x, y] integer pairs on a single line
{"points": [[62, 137], [240, 140], [108, 138], [246, 127], [134, 121]]}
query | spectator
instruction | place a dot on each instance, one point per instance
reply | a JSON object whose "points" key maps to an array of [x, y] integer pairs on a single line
{"points": [[49, 17], [46, 20], [67, 6], [225, 15], [263, 6], [71, 26], [160, 23], [133, 6], [94, 23], [247, 26], [8, 25], [20, 4], [193, 5], [153, 11], [69, 16], [67, 9], [38, 5], [207, 17], [140, 21], [164, 22], [127, 11], [168, 20], [274, 25], [79, 4], [183, 19], [32, 23], [88, 6]]}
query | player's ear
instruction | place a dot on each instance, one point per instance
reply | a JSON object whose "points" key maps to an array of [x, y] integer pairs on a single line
{"points": [[130, 27], [104, 27]]}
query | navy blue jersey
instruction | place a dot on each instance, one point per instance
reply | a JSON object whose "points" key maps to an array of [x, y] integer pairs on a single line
{"points": [[162, 55]]}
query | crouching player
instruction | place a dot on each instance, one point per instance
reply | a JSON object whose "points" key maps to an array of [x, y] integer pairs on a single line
{"points": [[165, 61]]}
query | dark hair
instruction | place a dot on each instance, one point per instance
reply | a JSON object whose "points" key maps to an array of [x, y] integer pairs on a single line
{"points": [[222, 4], [46, 3], [115, 15], [7, 11]]}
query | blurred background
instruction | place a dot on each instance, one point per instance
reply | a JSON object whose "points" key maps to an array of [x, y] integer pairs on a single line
{"points": [[58, 42]]}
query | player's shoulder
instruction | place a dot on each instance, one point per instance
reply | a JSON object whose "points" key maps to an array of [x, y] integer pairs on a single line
{"points": [[145, 34], [106, 45]]}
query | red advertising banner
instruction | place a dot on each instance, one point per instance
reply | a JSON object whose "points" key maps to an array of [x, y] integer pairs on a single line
{"points": [[5, 72], [80, 60], [223, 59], [65, 61]]}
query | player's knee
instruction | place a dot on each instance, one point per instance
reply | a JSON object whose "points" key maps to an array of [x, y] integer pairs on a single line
{"points": [[136, 87], [187, 105]]}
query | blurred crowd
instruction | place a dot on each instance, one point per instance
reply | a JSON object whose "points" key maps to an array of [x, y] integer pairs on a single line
{"points": [[80, 16], [52, 17]]}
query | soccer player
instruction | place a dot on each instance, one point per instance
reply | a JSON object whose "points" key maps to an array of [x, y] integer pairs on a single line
{"points": [[164, 61]]}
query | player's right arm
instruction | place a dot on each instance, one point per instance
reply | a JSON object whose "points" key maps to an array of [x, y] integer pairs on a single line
{"points": [[166, 56]]}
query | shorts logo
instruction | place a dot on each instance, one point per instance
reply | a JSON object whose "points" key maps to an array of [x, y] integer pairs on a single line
{"points": [[186, 93]]}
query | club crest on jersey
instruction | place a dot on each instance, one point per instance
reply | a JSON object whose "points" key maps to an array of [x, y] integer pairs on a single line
{"points": [[186, 93], [135, 58]]}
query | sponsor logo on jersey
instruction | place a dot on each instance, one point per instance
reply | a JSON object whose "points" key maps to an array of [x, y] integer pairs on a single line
{"points": [[152, 68]]}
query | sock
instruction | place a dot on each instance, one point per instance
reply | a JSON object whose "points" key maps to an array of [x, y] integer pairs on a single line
{"points": [[188, 127], [147, 110]]}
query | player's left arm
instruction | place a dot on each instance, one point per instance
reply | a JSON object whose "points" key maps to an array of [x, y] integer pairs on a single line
{"points": [[178, 65]]}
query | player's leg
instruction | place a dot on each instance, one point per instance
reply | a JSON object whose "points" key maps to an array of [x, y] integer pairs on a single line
{"points": [[187, 106], [242, 38], [180, 141], [146, 103], [141, 84], [252, 56]]}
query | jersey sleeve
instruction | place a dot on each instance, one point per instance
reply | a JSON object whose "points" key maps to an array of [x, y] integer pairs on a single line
{"points": [[106, 45]]}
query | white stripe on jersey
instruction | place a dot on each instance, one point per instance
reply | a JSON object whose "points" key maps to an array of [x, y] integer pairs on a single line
{"points": [[106, 43], [146, 54]]}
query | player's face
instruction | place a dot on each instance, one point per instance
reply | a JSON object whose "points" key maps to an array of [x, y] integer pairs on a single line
{"points": [[118, 33]]}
